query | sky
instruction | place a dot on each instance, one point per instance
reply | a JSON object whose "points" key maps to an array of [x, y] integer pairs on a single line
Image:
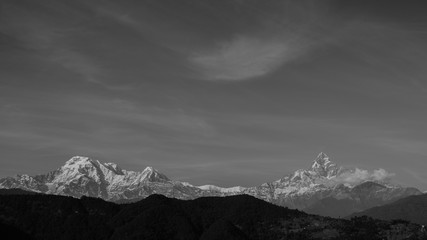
{"points": [[236, 92]]}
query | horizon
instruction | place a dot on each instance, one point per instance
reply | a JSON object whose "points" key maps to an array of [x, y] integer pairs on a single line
{"points": [[232, 93], [357, 176]]}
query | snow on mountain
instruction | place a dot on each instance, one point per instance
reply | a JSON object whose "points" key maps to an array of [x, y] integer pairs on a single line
{"points": [[84, 176], [324, 167], [324, 179], [237, 189], [303, 189]]}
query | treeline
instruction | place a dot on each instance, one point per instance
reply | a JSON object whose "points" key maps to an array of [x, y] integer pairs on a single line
{"points": [[158, 217]]}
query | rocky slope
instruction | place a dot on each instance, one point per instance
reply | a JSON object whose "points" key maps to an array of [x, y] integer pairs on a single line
{"points": [[319, 189]]}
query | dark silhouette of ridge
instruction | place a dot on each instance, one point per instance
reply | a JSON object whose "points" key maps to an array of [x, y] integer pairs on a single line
{"points": [[157, 217], [16, 191]]}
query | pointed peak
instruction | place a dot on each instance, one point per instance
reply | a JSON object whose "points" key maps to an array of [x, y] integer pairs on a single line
{"points": [[151, 174], [321, 159], [322, 156], [323, 166], [150, 169]]}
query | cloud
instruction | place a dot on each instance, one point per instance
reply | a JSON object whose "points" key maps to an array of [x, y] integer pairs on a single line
{"points": [[243, 58], [55, 40], [279, 32], [358, 176]]}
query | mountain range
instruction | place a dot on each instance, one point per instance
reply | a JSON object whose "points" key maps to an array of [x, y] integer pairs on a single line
{"points": [[321, 189]]}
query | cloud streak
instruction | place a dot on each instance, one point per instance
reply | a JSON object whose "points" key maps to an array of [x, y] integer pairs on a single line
{"points": [[278, 34], [54, 41], [358, 176], [243, 58]]}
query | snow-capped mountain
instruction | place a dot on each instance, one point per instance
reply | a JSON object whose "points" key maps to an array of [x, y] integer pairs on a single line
{"points": [[84, 176], [304, 189]]}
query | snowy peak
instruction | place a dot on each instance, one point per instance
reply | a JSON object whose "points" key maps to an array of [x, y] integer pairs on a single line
{"points": [[152, 175], [79, 164], [78, 160], [321, 161], [90, 167], [323, 166]]}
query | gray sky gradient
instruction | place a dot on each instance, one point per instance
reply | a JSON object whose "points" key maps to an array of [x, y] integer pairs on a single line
{"points": [[214, 92]]}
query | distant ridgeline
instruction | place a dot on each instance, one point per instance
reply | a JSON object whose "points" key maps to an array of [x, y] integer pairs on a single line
{"points": [[39, 216], [318, 189]]}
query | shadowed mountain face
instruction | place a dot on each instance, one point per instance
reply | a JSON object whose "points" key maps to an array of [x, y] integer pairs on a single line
{"points": [[361, 197], [413, 208], [157, 217], [318, 189]]}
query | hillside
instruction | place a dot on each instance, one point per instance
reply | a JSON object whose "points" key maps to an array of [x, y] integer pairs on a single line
{"points": [[159, 217], [413, 208]]}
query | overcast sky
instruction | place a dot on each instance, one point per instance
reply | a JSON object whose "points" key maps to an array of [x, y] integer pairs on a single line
{"points": [[236, 92]]}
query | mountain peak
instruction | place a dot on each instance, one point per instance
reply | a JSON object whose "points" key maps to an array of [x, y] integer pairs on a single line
{"points": [[78, 160], [323, 166], [322, 157], [321, 160], [151, 174], [150, 169]]}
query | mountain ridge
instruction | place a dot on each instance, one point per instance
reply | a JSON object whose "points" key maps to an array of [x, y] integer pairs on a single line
{"points": [[303, 189]]}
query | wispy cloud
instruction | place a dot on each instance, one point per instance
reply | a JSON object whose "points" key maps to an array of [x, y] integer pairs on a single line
{"points": [[54, 41], [279, 35], [77, 63], [358, 176], [243, 58], [103, 127]]}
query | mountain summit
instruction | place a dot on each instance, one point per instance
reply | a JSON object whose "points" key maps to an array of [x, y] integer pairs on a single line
{"points": [[324, 167], [152, 175], [307, 189]]}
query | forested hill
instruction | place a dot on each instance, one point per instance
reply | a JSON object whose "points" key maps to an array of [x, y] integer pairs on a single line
{"points": [[413, 208], [16, 191], [157, 217]]}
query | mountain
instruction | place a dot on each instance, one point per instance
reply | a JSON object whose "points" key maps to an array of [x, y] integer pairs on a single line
{"points": [[412, 208], [318, 189], [82, 176], [157, 217], [363, 196]]}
